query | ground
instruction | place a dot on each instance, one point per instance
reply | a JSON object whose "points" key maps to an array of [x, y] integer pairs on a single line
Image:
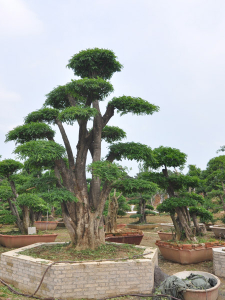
{"points": [[150, 236]]}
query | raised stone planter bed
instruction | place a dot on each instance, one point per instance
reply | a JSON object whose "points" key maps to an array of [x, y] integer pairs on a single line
{"points": [[187, 253], [141, 227], [81, 279], [46, 225], [219, 261], [16, 241], [210, 294]]}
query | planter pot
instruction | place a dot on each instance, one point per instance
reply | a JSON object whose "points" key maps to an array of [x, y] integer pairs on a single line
{"points": [[141, 227], [165, 236], [210, 294], [218, 231], [46, 225], [125, 238], [119, 226], [17, 241], [186, 254]]}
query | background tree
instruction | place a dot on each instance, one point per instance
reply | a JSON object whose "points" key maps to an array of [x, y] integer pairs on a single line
{"points": [[176, 185], [78, 102]]}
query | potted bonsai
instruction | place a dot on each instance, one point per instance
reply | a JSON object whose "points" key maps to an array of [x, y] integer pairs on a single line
{"points": [[179, 204]]}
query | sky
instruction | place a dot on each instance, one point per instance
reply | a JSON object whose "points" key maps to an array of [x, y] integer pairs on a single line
{"points": [[173, 53]]}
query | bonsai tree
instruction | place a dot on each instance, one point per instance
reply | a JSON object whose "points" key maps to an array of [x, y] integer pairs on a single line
{"points": [[25, 205], [78, 103], [215, 179], [176, 185]]}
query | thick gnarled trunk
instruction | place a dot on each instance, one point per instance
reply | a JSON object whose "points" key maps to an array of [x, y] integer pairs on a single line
{"points": [[86, 231]]}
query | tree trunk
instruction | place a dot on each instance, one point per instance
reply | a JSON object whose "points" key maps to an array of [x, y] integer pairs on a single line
{"points": [[26, 218], [142, 219], [196, 224], [111, 219], [185, 228], [176, 227], [15, 212]]}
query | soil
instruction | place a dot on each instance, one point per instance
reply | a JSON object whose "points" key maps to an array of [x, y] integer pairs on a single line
{"points": [[149, 239]]}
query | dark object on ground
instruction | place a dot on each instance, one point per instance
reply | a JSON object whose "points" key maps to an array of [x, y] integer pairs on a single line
{"points": [[159, 277]]}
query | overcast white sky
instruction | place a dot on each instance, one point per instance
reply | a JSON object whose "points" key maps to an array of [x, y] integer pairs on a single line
{"points": [[173, 54]]}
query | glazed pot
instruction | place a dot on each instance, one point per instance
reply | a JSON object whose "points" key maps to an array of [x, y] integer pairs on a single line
{"points": [[209, 294], [46, 225]]}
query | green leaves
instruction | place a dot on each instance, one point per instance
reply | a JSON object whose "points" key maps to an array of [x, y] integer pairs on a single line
{"points": [[29, 132], [58, 98], [106, 170], [9, 166], [94, 88], [32, 201], [201, 212], [132, 185], [137, 106], [94, 63], [131, 151], [72, 114], [40, 153], [58, 195], [113, 133], [168, 157], [47, 115]]}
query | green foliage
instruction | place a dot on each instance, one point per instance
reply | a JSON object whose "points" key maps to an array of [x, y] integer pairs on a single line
{"points": [[92, 88], [9, 166], [58, 98], [6, 217], [47, 115], [94, 63], [32, 201], [201, 212], [168, 157], [5, 193], [40, 152], [58, 195], [113, 133], [29, 132], [72, 114], [132, 185], [170, 204], [131, 151], [177, 181], [137, 106], [106, 170]]}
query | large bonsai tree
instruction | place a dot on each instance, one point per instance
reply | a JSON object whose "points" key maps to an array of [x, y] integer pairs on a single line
{"points": [[78, 103]]}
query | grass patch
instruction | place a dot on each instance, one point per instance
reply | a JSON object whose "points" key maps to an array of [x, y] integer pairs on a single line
{"points": [[63, 252]]}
